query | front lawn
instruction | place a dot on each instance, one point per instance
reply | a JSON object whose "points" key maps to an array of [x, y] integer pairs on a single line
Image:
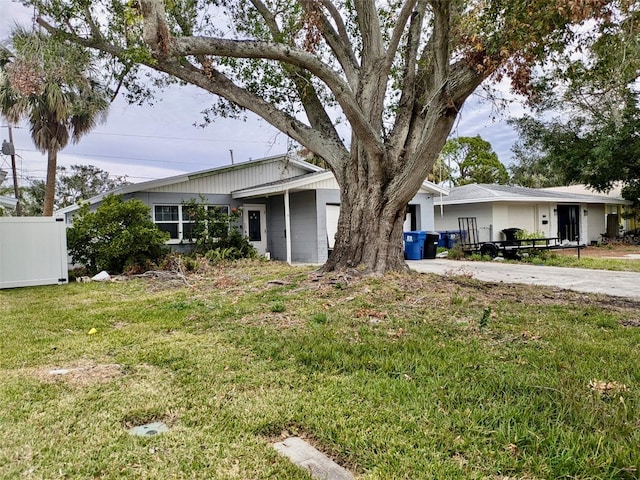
{"points": [[404, 376]]}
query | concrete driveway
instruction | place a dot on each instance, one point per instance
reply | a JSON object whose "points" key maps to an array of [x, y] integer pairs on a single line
{"points": [[621, 284]]}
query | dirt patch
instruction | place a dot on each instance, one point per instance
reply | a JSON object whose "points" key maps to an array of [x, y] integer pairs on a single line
{"points": [[630, 323], [603, 251], [81, 374]]}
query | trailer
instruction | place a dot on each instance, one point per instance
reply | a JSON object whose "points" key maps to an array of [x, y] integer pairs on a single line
{"points": [[509, 248]]}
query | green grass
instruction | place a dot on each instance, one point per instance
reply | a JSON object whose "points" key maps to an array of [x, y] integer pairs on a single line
{"points": [[403, 376]]}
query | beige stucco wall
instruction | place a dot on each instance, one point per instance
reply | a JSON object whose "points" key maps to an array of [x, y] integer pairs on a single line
{"points": [[449, 220], [595, 221], [492, 218]]}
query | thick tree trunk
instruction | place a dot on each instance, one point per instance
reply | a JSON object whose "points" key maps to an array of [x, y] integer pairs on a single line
{"points": [[369, 235], [367, 238], [50, 185]]}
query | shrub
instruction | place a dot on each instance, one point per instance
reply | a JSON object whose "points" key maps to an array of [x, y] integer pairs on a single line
{"points": [[525, 235], [117, 236], [456, 253], [215, 233]]}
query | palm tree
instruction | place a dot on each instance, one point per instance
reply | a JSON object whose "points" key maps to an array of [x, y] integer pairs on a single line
{"points": [[48, 83]]}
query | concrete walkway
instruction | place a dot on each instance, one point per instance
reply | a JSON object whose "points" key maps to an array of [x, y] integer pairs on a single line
{"points": [[621, 284]]}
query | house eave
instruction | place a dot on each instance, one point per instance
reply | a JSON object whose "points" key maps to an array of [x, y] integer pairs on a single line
{"points": [[560, 200], [8, 202], [281, 188]]}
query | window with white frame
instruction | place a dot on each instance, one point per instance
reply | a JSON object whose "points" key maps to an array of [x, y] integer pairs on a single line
{"points": [[175, 219]]}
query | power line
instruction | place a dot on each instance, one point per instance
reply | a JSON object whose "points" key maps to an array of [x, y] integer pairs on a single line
{"points": [[164, 137], [90, 155], [191, 139]]}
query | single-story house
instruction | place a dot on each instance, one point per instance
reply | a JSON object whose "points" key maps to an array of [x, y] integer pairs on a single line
{"points": [[615, 214], [7, 202], [565, 215], [289, 207]]}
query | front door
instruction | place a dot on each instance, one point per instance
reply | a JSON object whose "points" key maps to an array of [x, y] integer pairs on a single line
{"points": [[569, 222], [255, 226]]}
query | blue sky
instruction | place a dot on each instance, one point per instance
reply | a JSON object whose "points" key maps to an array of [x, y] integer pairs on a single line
{"points": [[150, 142]]}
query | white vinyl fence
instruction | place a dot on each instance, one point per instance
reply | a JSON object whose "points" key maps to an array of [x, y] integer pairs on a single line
{"points": [[33, 251]]}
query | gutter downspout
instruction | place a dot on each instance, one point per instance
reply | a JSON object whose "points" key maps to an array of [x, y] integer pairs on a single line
{"points": [[287, 225]]}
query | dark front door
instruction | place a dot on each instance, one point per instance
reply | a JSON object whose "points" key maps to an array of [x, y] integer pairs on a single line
{"points": [[569, 222], [255, 229]]}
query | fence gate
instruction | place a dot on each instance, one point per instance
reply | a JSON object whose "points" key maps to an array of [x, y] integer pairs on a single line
{"points": [[33, 251]]}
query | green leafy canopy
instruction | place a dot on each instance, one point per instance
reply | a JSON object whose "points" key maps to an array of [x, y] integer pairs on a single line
{"points": [[117, 235]]}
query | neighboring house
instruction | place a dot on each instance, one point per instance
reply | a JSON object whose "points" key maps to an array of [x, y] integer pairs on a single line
{"points": [[289, 207], [552, 213], [8, 202], [615, 213]]}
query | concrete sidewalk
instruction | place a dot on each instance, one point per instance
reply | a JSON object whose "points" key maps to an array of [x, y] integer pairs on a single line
{"points": [[620, 284]]}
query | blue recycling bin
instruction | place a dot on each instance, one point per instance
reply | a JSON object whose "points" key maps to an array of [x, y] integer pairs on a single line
{"points": [[453, 237], [443, 240], [414, 244]]}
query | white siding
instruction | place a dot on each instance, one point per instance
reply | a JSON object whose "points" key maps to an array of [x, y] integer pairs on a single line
{"points": [[234, 179], [329, 184], [520, 216]]}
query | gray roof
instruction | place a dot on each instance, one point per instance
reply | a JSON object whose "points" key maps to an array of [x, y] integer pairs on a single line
{"points": [[7, 201], [183, 177], [483, 193]]}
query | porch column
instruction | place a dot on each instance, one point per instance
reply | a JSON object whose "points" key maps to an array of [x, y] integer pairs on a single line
{"points": [[287, 225]]}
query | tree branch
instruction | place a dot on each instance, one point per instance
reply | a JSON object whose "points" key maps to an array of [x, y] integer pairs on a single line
{"points": [[398, 31], [440, 44], [369, 23], [268, 18], [307, 94], [340, 43], [289, 55], [407, 99], [327, 146]]}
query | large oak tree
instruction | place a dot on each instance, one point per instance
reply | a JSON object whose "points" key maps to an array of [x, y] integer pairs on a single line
{"points": [[398, 71]]}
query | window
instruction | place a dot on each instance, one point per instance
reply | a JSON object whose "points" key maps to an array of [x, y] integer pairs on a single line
{"points": [[167, 217], [176, 220]]}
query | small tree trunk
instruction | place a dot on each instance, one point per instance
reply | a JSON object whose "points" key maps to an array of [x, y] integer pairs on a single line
{"points": [[50, 186]]}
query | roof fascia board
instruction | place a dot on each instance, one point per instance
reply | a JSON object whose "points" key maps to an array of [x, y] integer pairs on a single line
{"points": [[431, 187], [282, 187], [609, 201]]}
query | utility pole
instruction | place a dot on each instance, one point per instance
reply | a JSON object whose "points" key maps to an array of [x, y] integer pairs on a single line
{"points": [[11, 150]]}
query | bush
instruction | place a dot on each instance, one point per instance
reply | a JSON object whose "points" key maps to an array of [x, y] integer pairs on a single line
{"points": [[117, 236], [456, 253], [525, 235], [214, 234]]}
